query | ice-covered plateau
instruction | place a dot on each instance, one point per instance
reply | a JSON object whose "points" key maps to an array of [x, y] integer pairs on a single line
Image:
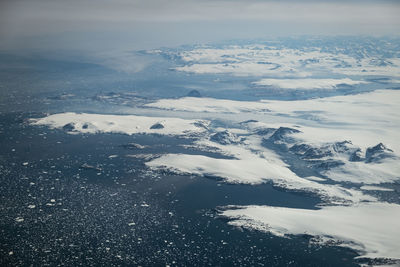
{"points": [[268, 60], [126, 124]]}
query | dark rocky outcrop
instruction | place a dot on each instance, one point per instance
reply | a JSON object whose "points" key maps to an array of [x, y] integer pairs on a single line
{"points": [[157, 126], [225, 138], [201, 124], [194, 93], [265, 131], [300, 149], [317, 153], [378, 153], [356, 156], [343, 147], [69, 127], [282, 132], [327, 164]]}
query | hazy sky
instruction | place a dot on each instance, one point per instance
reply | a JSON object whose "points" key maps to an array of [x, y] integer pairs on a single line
{"points": [[101, 24]]}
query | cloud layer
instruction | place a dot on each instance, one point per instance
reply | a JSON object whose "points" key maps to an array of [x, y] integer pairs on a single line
{"points": [[163, 20]]}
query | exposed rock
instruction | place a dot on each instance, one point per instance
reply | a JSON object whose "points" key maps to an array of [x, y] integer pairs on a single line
{"points": [[194, 93], [317, 153], [225, 138], [69, 127], [356, 156], [378, 153], [157, 126], [300, 149], [282, 132], [343, 147], [327, 164], [265, 131], [329, 150], [202, 124], [248, 121]]}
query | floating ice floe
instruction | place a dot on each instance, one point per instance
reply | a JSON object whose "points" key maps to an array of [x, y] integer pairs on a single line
{"points": [[19, 219]]}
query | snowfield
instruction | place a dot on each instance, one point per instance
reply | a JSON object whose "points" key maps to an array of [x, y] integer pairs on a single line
{"points": [[264, 60], [126, 124], [365, 119], [210, 105], [345, 131], [304, 84], [249, 168], [370, 228]]}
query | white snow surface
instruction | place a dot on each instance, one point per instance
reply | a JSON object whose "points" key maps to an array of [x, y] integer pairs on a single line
{"points": [[370, 173], [375, 188], [126, 124], [305, 84], [211, 105], [371, 228], [253, 164], [352, 216], [365, 119], [263, 60]]}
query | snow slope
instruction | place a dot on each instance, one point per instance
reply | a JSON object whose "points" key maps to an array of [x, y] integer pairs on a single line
{"points": [[371, 228], [127, 124], [308, 83]]}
